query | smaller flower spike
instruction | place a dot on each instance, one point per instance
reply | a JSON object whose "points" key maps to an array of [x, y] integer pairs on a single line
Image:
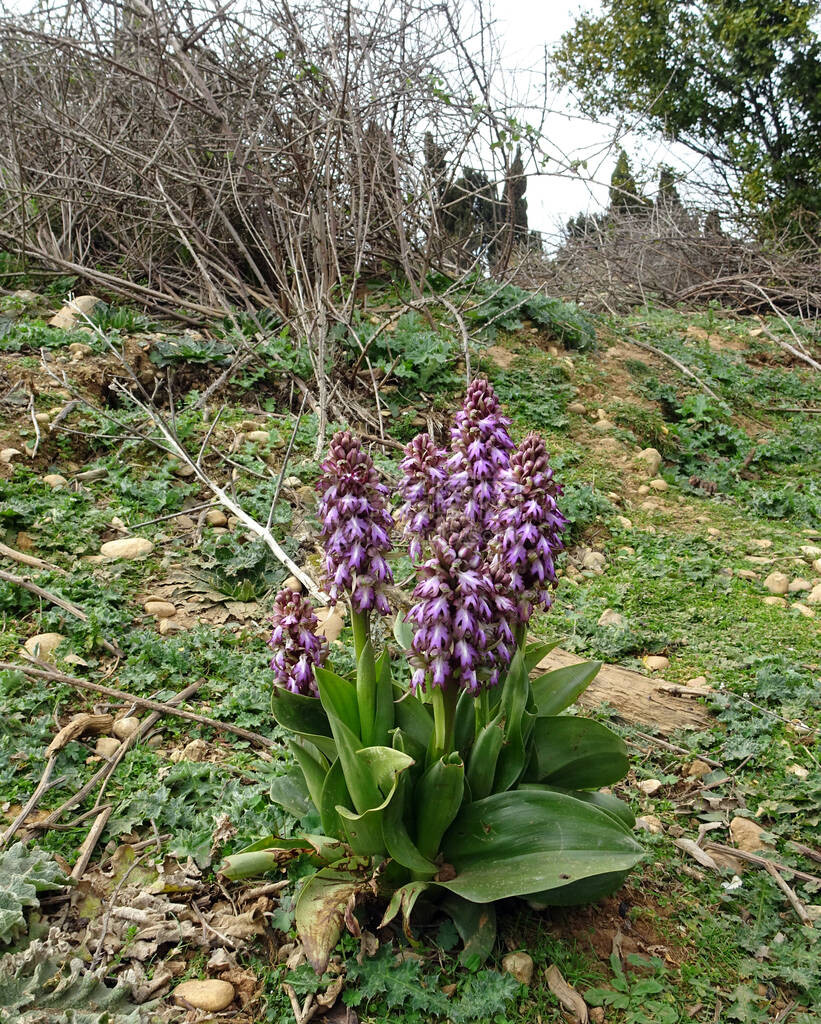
{"points": [[296, 646], [356, 526], [481, 447], [422, 490], [454, 610], [527, 528]]}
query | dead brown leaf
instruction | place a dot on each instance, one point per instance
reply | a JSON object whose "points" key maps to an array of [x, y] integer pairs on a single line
{"points": [[567, 995]]}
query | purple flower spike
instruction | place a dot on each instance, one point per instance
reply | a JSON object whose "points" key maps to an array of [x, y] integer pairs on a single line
{"points": [[422, 490], [527, 528], [481, 446], [456, 611], [356, 526], [296, 646]]}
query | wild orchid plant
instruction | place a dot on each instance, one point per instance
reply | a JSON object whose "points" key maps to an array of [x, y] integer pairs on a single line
{"points": [[470, 786]]}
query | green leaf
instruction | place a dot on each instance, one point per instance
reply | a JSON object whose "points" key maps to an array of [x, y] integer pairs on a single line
{"points": [[557, 690], [384, 715], [413, 718], [464, 723], [338, 698], [334, 794], [437, 798], [513, 756], [23, 875], [314, 768], [576, 753], [403, 631], [404, 899], [484, 757], [616, 808], [476, 924], [536, 652], [290, 791], [529, 841], [304, 716], [395, 833], [320, 912], [365, 830]]}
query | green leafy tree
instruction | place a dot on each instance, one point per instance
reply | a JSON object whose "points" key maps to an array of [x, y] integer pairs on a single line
{"points": [[737, 81], [625, 196]]}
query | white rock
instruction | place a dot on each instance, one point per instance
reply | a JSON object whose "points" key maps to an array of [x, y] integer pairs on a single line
{"points": [[814, 596], [106, 746], [125, 727], [55, 481], [520, 965], [211, 995], [216, 517], [713, 532], [777, 583], [659, 484], [292, 583], [79, 349], [747, 574], [776, 602], [577, 407], [261, 436], [602, 426], [642, 490], [168, 626], [624, 522], [761, 543], [181, 469], [812, 551], [8, 454], [43, 645], [649, 786], [610, 618], [746, 835], [656, 662], [127, 547], [160, 609], [73, 311], [697, 681], [292, 481], [42, 418], [798, 770], [650, 823], [698, 769], [651, 458], [196, 750], [808, 613]]}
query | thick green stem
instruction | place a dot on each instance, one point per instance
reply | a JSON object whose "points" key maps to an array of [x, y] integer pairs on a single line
{"points": [[520, 633], [365, 674], [482, 706], [444, 712]]}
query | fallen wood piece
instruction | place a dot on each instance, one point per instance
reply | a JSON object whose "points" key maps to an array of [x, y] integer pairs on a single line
{"points": [[60, 602], [29, 560], [90, 841], [806, 851], [140, 702], [79, 726], [691, 847], [754, 858], [567, 995], [797, 905], [635, 697], [687, 691]]}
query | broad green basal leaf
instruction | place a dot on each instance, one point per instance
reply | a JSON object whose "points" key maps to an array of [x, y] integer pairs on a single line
{"points": [[531, 841], [554, 691], [575, 753]]}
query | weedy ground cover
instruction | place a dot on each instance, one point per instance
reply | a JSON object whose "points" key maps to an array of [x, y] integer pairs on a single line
{"points": [[684, 550]]}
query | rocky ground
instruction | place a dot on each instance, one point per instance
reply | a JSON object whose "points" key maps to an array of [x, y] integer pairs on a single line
{"points": [[694, 558]]}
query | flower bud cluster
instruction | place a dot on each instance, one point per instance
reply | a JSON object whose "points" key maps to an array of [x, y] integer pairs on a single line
{"points": [[356, 526], [422, 490], [297, 648]]}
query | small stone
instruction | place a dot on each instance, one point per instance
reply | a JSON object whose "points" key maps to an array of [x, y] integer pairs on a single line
{"points": [[650, 823], [651, 458], [184, 523], [160, 609], [761, 543], [75, 659], [196, 750], [697, 681], [610, 618], [43, 645], [649, 506], [292, 583], [168, 626], [726, 571], [211, 995], [641, 491], [713, 532], [697, 769], [42, 418], [55, 481], [125, 727], [127, 547], [578, 408], [808, 613], [746, 835], [595, 561], [250, 425], [659, 484], [656, 662], [777, 602], [79, 350], [520, 965], [259, 436], [306, 495], [777, 583], [798, 770], [799, 586], [233, 523], [181, 469], [602, 426], [449, 990], [596, 1015], [814, 596], [649, 786], [747, 574], [106, 746], [624, 522], [812, 551], [816, 564], [216, 517], [7, 455], [292, 481]]}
